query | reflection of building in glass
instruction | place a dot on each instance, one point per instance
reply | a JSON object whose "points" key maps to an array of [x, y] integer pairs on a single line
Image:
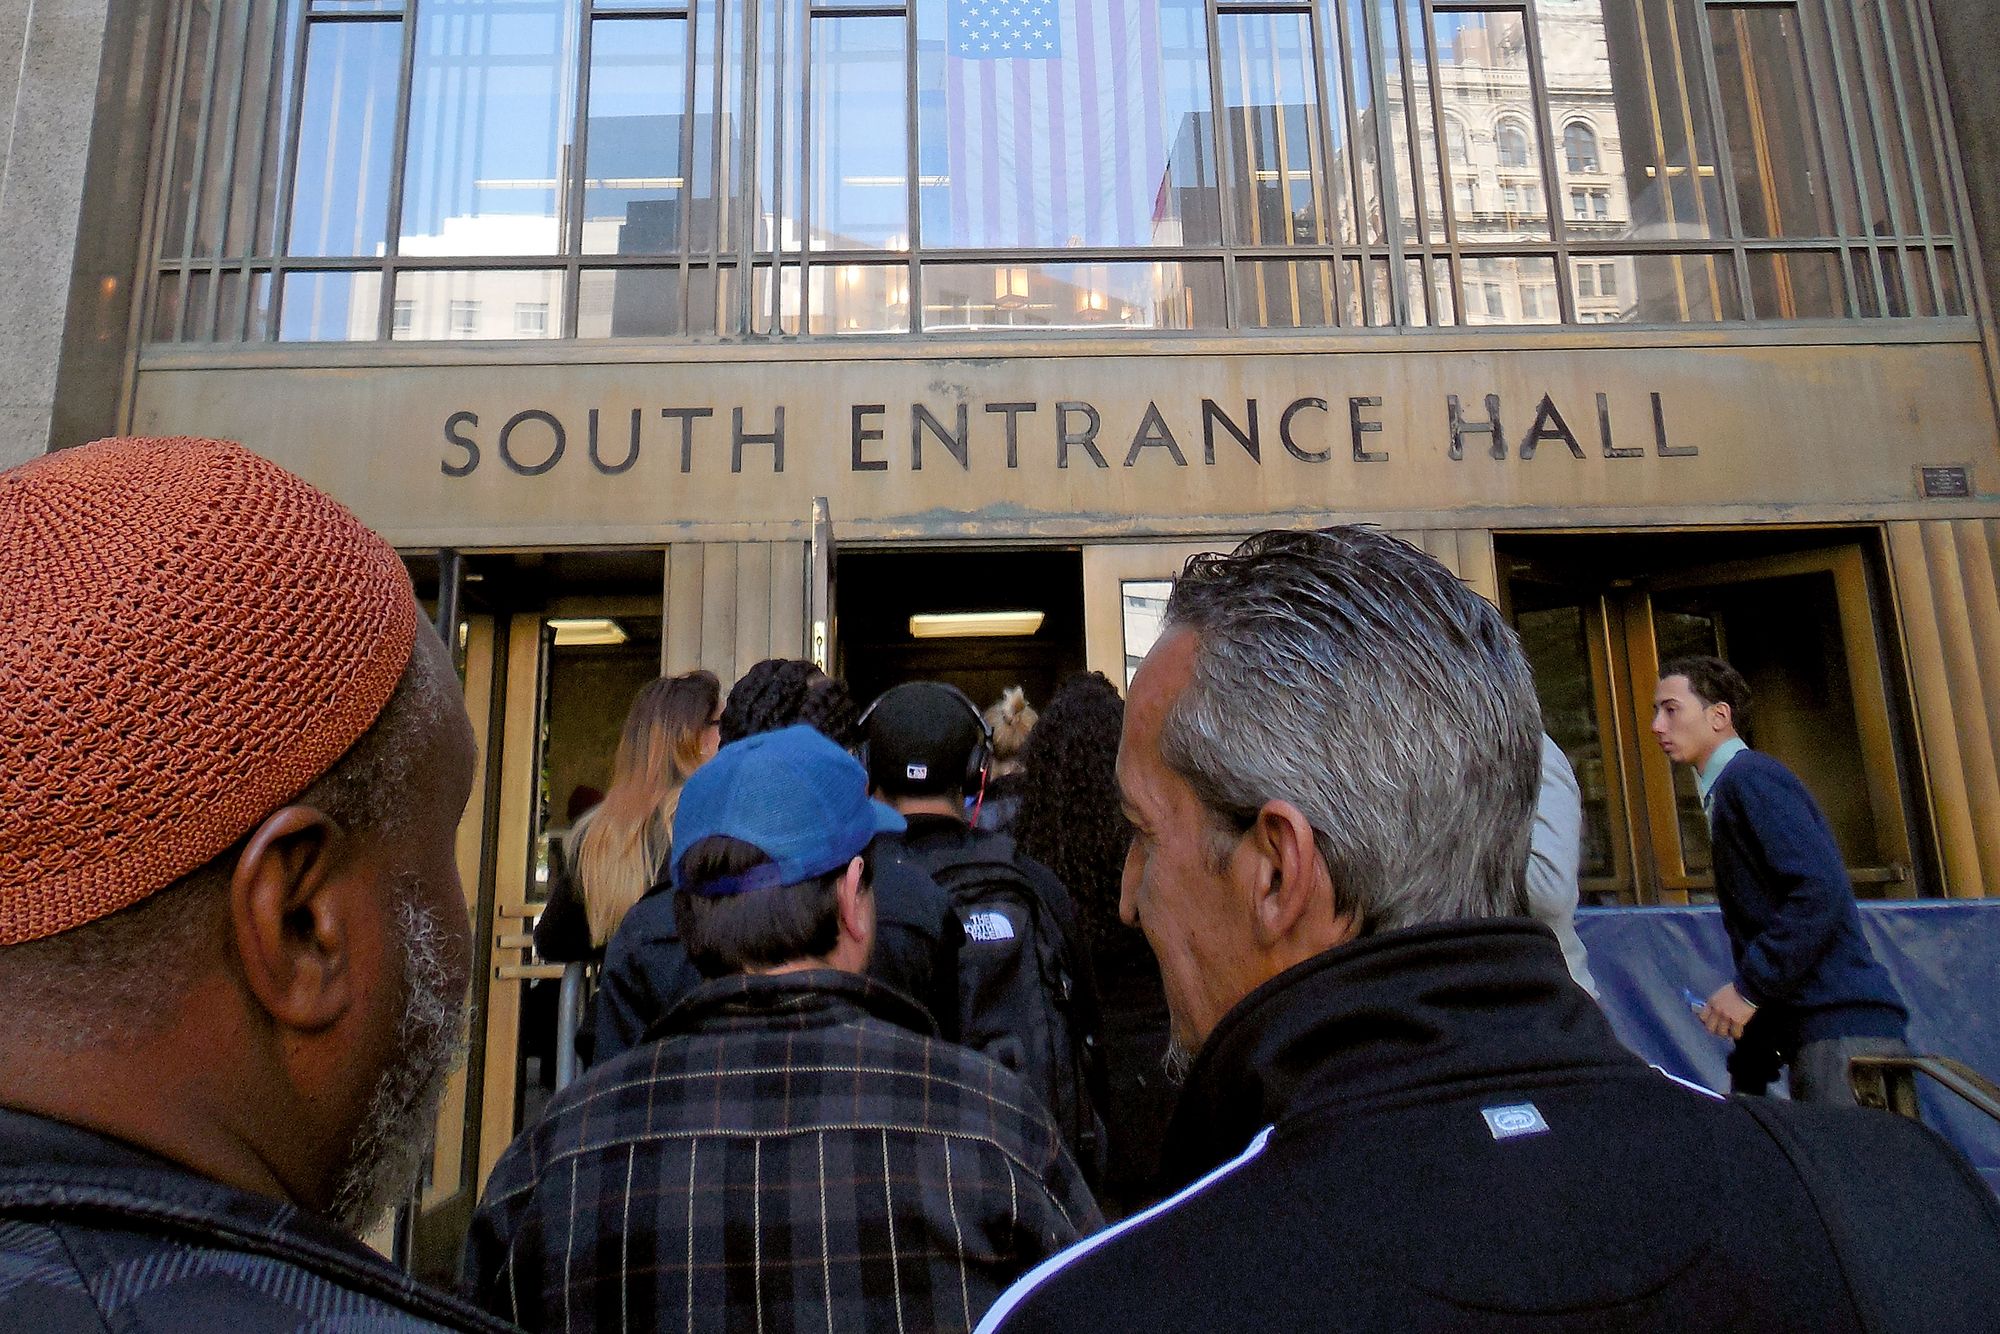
{"points": [[1496, 174], [1581, 161]]}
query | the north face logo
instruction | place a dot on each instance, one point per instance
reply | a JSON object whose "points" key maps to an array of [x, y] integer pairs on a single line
{"points": [[988, 926]]}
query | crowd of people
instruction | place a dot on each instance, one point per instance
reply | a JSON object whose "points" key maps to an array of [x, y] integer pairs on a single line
{"points": [[1248, 999]]}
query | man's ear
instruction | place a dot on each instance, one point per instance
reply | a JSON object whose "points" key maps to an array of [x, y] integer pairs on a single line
{"points": [[291, 919], [1292, 896], [857, 907]]}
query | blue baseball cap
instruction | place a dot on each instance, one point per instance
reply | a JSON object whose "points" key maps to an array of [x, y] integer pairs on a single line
{"points": [[793, 795]]}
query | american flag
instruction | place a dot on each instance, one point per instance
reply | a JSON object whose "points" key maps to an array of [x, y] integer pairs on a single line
{"points": [[1057, 135]]}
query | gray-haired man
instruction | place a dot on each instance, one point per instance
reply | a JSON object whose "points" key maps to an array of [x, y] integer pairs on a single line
{"points": [[1402, 1114]]}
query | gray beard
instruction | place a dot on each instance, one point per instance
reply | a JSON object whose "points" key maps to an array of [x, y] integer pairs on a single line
{"points": [[389, 1155], [1176, 1062]]}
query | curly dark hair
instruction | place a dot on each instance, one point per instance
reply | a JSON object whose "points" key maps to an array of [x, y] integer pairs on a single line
{"points": [[779, 692], [1070, 819]]}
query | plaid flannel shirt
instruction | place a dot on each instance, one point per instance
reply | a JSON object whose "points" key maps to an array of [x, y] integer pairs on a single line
{"points": [[785, 1153]]}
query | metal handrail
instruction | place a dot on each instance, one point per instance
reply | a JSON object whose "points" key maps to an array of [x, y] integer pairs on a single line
{"points": [[569, 1018], [1890, 1083]]}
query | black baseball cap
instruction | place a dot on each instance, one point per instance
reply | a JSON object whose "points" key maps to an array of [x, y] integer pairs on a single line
{"points": [[920, 737]]}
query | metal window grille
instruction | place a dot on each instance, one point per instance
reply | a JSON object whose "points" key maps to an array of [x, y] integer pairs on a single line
{"points": [[1772, 161]]}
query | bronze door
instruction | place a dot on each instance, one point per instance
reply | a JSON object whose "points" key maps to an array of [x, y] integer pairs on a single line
{"points": [[1802, 629]]}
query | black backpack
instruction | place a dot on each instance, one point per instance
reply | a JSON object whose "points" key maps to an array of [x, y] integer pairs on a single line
{"points": [[1024, 998]]}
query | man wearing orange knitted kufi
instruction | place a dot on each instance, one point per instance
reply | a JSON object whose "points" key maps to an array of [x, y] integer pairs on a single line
{"points": [[233, 946]]}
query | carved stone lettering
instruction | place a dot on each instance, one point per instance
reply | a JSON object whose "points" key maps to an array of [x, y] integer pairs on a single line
{"points": [[557, 443]]}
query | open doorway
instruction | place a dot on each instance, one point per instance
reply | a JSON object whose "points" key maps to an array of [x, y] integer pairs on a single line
{"points": [[1801, 613], [880, 640]]}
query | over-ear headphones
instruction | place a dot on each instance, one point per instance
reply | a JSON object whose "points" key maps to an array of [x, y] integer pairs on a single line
{"points": [[982, 751]]}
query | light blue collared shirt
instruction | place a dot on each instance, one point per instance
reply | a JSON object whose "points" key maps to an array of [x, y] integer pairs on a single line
{"points": [[1704, 777]]}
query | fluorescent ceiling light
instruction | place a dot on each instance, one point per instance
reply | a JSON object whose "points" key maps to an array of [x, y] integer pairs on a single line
{"points": [[586, 631], [974, 624]]}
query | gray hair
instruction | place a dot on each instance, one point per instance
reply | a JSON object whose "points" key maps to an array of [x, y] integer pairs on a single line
{"points": [[1350, 674]]}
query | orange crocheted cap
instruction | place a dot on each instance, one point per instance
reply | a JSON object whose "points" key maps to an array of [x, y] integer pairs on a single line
{"points": [[189, 636]]}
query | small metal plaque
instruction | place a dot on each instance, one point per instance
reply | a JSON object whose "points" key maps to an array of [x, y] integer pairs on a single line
{"points": [[1946, 483], [1515, 1120]]}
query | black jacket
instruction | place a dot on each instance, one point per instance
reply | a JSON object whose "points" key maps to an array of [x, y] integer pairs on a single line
{"points": [[97, 1235], [1456, 1141], [647, 971]]}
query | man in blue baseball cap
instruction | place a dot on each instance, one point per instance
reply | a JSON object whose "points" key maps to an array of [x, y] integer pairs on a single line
{"points": [[786, 1149]]}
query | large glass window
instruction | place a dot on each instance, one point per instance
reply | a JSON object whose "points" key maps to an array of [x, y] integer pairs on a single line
{"points": [[522, 169], [491, 109], [635, 181]]}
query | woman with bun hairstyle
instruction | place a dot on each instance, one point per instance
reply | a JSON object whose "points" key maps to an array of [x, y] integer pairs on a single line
{"points": [[1011, 722]]}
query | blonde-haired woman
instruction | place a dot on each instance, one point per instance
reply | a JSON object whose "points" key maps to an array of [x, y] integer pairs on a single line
{"points": [[618, 849]]}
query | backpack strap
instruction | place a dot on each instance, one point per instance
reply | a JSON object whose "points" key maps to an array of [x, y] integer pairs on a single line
{"points": [[1899, 1206]]}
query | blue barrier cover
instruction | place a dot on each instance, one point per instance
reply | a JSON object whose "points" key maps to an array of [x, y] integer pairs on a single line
{"points": [[1943, 956]]}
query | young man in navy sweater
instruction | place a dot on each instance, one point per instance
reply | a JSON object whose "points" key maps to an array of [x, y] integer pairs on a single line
{"points": [[1807, 992]]}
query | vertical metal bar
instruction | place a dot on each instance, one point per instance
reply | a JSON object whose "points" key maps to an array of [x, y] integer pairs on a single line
{"points": [[809, 47], [1329, 79], [913, 274], [722, 175], [1454, 274], [779, 108], [252, 247], [225, 179], [1927, 76], [1978, 299], [197, 187], [819, 600], [573, 191], [1661, 164], [1437, 134], [151, 274], [1385, 165], [451, 592], [1418, 211], [752, 169], [691, 32], [1877, 124], [170, 163], [1945, 145], [288, 163], [1915, 177], [1846, 102], [399, 162], [569, 1019], [1819, 145], [1225, 174], [1724, 160], [1351, 115], [1538, 94]]}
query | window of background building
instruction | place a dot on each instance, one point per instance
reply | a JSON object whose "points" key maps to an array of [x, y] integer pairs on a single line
{"points": [[464, 317], [671, 169], [531, 319], [1580, 147]]}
